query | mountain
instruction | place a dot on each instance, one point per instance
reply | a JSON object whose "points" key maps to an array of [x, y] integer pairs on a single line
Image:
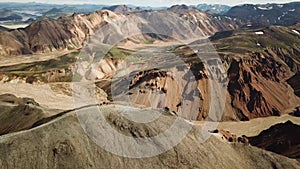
{"points": [[63, 143], [180, 8], [128, 87], [8, 15], [64, 10], [54, 11], [257, 61], [281, 138], [123, 9], [258, 64], [216, 8], [267, 14], [71, 32], [50, 35]]}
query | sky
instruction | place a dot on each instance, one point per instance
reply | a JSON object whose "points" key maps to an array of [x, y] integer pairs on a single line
{"points": [[154, 3]]}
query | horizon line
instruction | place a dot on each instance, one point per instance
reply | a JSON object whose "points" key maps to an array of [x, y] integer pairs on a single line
{"points": [[127, 4]]}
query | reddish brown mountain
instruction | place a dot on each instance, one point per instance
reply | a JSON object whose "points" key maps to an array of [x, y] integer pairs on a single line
{"points": [[71, 32]]}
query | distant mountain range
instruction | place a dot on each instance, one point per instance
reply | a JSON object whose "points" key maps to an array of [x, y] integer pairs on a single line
{"points": [[71, 32], [9, 15], [16, 11], [267, 14], [252, 15], [218, 9]]}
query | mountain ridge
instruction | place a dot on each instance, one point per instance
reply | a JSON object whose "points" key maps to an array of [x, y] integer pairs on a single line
{"points": [[62, 150], [71, 32]]}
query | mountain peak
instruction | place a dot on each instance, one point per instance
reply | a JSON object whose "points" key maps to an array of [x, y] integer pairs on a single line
{"points": [[182, 7], [123, 9]]}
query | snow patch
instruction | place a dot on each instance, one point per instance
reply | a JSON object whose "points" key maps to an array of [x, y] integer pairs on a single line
{"points": [[265, 8], [259, 33], [279, 6], [296, 32]]}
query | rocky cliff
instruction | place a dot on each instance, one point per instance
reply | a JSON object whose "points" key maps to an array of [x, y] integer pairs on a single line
{"points": [[259, 63]]}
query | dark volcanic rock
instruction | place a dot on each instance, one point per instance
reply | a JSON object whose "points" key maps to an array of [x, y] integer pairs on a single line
{"points": [[295, 83], [283, 138]]}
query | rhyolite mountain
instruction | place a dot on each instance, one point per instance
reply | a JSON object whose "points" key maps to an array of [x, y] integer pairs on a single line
{"points": [[43, 64], [71, 32], [258, 62], [262, 66]]}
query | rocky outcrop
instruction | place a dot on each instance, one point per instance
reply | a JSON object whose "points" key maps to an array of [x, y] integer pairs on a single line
{"points": [[249, 97], [258, 67], [231, 138], [294, 81], [296, 112]]}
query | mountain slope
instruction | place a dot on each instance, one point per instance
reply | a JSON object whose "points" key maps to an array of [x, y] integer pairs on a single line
{"points": [[259, 63], [216, 8], [282, 138], [8, 15], [50, 35], [123, 9], [18, 113], [267, 14], [71, 32], [62, 143]]}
